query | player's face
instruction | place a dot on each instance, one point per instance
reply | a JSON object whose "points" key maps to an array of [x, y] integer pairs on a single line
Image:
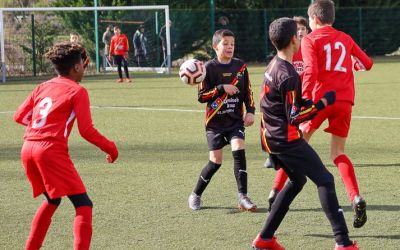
{"points": [[296, 41], [117, 32], [225, 48], [74, 39], [301, 31]]}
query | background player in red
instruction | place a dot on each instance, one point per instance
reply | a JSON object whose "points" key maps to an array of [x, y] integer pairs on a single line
{"points": [[119, 49], [49, 113], [280, 177], [327, 55], [283, 109]]}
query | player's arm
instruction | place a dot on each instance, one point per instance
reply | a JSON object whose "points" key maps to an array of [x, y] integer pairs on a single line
{"points": [[361, 60], [85, 125], [310, 67], [299, 110], [23, 115], [112, 46], [207, 90], [248, 100]]}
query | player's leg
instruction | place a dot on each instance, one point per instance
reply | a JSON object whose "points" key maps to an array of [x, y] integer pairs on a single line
{"points": [[266, 238], [125, 64], [279, 182], [317, 172], [237, 140], [216, 142], [339, 126], [83, 221], [118, 61], [41, 223]]}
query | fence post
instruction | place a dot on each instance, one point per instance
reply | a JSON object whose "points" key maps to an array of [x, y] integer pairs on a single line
{"points": [[33, 45], [360, 33], [265, 33], [212, 17], [96, 34], [3, 57]]}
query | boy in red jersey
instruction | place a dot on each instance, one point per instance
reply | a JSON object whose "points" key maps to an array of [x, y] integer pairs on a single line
{"points": [[280, 177], [283, 109], [328, 55], [119, 48], [49, 113]]}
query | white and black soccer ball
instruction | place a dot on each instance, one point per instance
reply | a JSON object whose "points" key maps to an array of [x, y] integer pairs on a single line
{"points": [[192, 72]]}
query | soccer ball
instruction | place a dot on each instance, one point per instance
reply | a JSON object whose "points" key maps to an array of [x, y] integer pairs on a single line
{"points": [[192, 72]]}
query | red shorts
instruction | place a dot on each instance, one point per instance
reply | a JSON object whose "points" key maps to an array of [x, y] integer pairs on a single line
{"points": [[338, 115], [49, 169]]}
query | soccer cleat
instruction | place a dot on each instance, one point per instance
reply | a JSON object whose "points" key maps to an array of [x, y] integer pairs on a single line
{"points": [[360, 210], [246, 204], [354, 246], [270, 244], [120, 80], [194, 201], [128, 80], [271, 198], [268, 163]]}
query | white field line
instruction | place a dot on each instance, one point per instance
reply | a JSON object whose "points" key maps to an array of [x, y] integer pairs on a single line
{"points": [[201, 111]]}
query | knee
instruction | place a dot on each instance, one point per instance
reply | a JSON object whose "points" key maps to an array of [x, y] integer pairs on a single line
{"points": [[56, 201], [298, 184], [326, 180], [79, 200]]}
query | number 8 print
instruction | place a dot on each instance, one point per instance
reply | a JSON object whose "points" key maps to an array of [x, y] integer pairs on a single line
{"points": [[44, 107]]}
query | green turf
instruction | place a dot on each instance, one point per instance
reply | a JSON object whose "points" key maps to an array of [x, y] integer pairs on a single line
{"points": [[140, 202]]}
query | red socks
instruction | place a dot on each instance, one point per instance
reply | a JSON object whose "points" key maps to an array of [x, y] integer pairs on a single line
{"points": [[280, 179], [348, 175], [83, 228], [40, 224]]}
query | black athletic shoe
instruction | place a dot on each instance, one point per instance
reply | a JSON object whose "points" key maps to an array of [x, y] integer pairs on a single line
{"points": [[271, 198], [360, 210]]}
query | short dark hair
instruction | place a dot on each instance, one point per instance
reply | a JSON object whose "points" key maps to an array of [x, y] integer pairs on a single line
{"points": [[302, 21], [324, 10], [219, 34], [73, 33], [64, 56], [281, 32]]}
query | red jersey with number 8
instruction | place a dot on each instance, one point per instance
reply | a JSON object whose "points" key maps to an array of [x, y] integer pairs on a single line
{"points": [[327, 55]]}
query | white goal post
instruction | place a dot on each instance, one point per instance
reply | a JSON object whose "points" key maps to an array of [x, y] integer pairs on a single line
{"points": [[167, 59]]}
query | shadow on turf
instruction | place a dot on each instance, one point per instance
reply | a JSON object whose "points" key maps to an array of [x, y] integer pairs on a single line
{"points": [[328, 236], [349, 208], [234, 210]]}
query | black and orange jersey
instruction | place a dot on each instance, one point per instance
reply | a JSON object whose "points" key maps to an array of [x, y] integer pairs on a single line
{"points": [[225, 112], [282, 107]]}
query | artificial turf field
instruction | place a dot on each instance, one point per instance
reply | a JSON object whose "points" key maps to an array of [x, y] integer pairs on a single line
{"points": [[140, 202]]}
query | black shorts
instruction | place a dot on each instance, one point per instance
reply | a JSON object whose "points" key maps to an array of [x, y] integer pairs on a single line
{"points": [[218, 140], [303, 161]]}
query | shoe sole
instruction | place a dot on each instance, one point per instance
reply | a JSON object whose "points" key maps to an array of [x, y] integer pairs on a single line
{"points": [[253, 209], [360, 217]]}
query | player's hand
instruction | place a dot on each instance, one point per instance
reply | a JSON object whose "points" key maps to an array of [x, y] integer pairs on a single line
{"points": [[112, 153], [248, 119], [330, 97], [126, 56], [230, 89]]}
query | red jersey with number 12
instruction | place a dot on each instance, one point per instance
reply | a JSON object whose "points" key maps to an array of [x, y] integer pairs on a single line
{"points": [[51, 109], [327, 55]]}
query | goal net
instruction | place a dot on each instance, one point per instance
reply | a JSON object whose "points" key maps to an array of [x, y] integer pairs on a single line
{"points": [[27, 33]]}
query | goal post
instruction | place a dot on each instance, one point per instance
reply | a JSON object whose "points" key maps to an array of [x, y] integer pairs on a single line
{"points": [[145, 11]]}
